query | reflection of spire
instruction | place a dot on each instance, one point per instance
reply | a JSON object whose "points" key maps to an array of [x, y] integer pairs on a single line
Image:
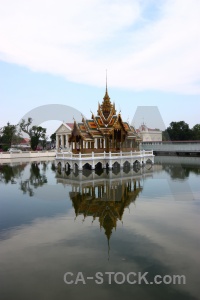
{"points": [[108, 240]]}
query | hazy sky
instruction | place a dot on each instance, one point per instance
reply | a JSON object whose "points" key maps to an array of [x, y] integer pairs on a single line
{"points": [[57, 52]]}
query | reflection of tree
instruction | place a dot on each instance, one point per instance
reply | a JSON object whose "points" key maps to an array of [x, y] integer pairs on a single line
{"points": [[179, 171], [35, 180], [9, 173], [105, 200]]}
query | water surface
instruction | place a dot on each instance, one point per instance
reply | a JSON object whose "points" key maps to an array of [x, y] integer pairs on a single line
{"points": [[132, 220]]}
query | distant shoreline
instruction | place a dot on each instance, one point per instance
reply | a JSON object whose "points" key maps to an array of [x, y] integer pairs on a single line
{"points": [[26, 155]]}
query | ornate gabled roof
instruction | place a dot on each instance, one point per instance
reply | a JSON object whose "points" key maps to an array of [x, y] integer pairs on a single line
{"points": [[80, 129], [92, 128], [91, 124], [104, 123], [106, 110], [106, 104], [127, 126]]}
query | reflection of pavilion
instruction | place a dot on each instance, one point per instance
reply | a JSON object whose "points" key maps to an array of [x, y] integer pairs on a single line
{"points": [[104, 197]]}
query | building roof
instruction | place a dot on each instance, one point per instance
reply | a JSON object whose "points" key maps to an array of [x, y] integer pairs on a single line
{"points": [[144, 127], [103, 123], [71, 125], [25, 141]]}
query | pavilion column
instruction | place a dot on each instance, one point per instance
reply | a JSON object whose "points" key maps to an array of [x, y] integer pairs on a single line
{"points": [[107, 143], [66, 141], [121, 141], [104, 142], [81, 145], [57, 141], [62, 141]]}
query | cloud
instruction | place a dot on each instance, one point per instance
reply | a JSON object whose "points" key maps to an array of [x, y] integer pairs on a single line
{"points": [[143, 44]]}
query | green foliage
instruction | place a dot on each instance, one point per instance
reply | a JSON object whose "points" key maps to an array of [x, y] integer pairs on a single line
{"points": [[165, 136], [9, 135], [53, 137], [196, 132], [179, 131], [36, 133], [24, 126]]}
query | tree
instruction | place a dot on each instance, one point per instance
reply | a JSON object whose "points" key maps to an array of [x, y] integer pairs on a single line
{"points": [[53, 140], [179, 131], [44, 141], [196, 132], [35, 132], [165, 135], [53, 137], [8, 134], [24, 126]]}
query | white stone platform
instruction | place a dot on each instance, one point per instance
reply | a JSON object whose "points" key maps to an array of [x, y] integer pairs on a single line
{"points": [[71, 161]]}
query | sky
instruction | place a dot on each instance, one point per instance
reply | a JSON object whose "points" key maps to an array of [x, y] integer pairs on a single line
{"points": [[57, 53]]}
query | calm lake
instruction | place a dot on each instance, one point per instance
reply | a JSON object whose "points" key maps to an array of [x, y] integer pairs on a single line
{"points": [[104, 235]]}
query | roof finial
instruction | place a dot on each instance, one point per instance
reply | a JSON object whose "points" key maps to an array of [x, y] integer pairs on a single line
{"points": [[106, 83]]}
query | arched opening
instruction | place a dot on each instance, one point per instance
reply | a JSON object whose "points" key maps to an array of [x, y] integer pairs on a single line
{"points": [[67, 168], [126, 164], [148, 165], [59, 168], [126, 167], [116, 165], [87, 172], [98, 166], [149, 161], [87, 166], [99, 172], [136, 162], [136, 166], [116, 168]]}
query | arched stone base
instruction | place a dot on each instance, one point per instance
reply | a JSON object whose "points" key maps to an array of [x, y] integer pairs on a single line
{"points": [[107, 160]]}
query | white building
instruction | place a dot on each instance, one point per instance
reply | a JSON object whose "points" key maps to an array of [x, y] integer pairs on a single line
{"points": [[62, 135], [148, 134]]}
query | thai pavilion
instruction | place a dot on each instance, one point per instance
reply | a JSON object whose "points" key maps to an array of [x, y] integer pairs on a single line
{"points": [[104, 132]]}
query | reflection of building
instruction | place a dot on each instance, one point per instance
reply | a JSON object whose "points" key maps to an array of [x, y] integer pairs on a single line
{"points": [[148, 134], [104, 132], [105, 202], [104, 197]]}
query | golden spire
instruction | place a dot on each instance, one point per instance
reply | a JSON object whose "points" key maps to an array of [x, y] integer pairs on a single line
{"points": [[106, 104], [106, 83], [106, 97]]}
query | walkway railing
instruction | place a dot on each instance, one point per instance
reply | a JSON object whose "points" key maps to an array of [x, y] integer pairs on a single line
{"points": [[93, 155]]}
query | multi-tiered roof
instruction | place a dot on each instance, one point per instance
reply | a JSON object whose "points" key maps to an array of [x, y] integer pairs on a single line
{"points": [[104, 122]]}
